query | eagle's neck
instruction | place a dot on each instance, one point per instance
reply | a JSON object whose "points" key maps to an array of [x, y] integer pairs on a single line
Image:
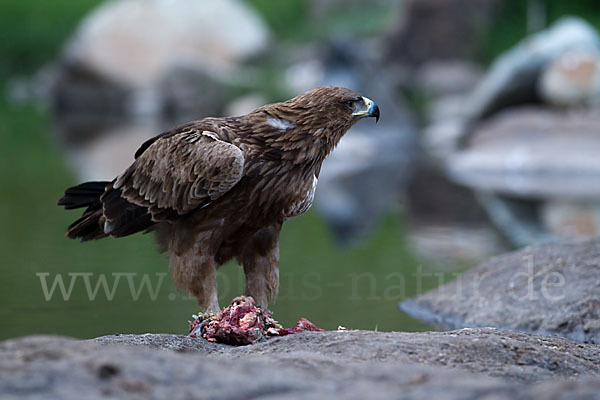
{"points": [[288, 137]]}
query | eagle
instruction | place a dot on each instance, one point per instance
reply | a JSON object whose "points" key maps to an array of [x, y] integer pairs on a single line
{"points": [[218, 189]]}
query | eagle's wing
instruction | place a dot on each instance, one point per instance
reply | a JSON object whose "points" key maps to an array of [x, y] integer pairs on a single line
{"points": [[180, 172]]}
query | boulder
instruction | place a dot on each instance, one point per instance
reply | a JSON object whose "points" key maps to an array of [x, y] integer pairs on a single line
{"points": [[551, 288], [350, 364], [532, 153], [513, 78], [572, 79], [571, 218], [147, 58], [134, 43], [508, 143]]}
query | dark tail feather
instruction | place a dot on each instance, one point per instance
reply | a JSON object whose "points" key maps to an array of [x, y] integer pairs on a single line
{"points": [[91, 224], [124, 218], [84, 195]]}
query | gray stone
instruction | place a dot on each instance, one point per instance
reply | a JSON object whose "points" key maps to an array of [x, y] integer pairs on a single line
{"points": [[551, 288], [349, 364], [513, 78], [572, 79], [572, 218], [134, 43], [532, 153]]}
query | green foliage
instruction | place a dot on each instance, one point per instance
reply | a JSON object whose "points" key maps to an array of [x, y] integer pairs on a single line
{"points": [[291, 20], [510, 24], [33, 31], [502, 35], [286, 18]]}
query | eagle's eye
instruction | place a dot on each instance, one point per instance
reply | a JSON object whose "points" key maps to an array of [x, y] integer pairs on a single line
{"points": [[351, 102]]}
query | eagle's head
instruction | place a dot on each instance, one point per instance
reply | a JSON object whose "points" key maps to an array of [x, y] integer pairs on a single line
{"points": [[312, 123], [321, 115], [325, 114], [331, 105]]}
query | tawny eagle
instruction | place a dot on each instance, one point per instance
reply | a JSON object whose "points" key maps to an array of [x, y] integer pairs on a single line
{"points": [[220, 188]]}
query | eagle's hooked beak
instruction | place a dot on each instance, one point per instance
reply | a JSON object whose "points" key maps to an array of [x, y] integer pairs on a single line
{"points": [[371, 109]]}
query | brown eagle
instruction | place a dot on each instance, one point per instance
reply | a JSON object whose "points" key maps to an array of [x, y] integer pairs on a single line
{"points": [[220, 188]]}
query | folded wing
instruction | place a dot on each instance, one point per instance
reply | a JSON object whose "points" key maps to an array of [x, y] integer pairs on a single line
{"points": [[174, 175]]}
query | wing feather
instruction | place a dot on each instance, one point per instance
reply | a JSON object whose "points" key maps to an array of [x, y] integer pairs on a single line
{"points": [[181, 172]]}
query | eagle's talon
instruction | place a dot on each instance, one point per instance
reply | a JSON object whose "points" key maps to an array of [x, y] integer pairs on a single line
{"points": [[202, 316]]}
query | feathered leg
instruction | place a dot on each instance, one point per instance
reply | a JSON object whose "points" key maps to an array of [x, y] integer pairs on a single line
{"points": [[198, 274], [191, 264], [261, 265]]}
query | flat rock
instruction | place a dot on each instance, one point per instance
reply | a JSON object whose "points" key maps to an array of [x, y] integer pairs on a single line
{"points": [[551, 288], [532, 153], [468, 363]]}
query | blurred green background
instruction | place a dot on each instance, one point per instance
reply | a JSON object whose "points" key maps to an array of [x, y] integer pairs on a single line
{"points": [[319, 280]]}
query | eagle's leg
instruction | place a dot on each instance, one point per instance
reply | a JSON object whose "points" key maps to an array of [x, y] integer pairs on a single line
{"points": [[198, 274], [261, 265], [204, 286]]}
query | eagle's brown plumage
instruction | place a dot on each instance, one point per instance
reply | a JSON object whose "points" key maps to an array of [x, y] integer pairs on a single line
{"points": [[220, 188]]}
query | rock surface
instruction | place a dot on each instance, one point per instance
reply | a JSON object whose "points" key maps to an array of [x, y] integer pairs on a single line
{"points": [[572, 79], [550, 288], [469, 363], [513, 78], [533, 153]]}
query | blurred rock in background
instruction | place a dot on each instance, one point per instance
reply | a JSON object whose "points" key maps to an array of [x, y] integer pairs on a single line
{"points": [[446, 225], [572, 79], [428, 58], [158, 56], [541, 156], [526, 137], [514, 78], [135, 43]]}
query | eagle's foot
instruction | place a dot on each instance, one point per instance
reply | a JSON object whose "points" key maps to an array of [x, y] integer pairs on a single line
{"points": [[205, 315]]}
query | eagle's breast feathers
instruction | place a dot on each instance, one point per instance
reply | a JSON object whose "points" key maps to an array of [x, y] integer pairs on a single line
{"points": [[302, 201]]}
